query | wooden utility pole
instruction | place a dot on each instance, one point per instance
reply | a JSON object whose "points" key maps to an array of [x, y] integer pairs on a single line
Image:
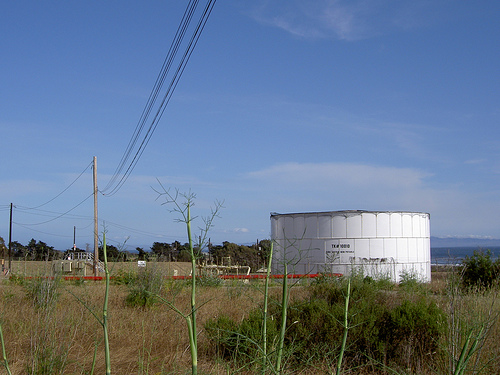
{"points": [[96, 227]]}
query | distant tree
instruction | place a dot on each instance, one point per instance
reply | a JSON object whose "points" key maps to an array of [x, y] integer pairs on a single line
{"points": [[143, 255], [163, 251], [174, 252], [3, 249], [41, 251], [238, 254], [184, 256], [113, 254], [18, 250]]}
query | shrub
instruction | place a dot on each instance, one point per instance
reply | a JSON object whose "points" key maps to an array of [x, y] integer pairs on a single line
{"points": [[143, 290], [221, 331], [411, 282], [124, 277], [209, 280], [411, 332], [402, 335], [240, 342], [480, 270], [398, 332], [318, 328]]}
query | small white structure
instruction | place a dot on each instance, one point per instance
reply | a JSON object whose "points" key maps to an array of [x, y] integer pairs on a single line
{"points": [[378, 243]]}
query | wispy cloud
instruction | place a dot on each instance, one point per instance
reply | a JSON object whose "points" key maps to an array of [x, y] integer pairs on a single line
{"points": [[331, 186], [324, 175], [237, 230], [340, 19], [297, 187]]}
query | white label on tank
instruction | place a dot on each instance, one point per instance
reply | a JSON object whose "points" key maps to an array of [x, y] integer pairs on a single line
{"points": [[339, 251]]}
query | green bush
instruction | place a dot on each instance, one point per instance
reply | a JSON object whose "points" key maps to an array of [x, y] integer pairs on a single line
{"points": [[317, 332], [209, 280], [480, 270], [144, 289], [220, 331], [411, 332], [124, 277], [240, 342], [410, 282], [385, 327], [380, 330]]}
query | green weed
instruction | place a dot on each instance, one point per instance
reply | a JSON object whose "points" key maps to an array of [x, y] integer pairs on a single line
{"points": [[144, 288], [43, 291]]}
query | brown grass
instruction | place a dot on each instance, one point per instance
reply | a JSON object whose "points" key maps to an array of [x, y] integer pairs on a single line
{"points": [[37, 268], [155, 340]]}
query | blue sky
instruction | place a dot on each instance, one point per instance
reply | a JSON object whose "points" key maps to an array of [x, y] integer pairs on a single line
{"points": [[284, 106]]}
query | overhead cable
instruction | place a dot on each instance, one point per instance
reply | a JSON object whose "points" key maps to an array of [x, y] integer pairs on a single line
{"points": [[37, 212], [59, 216], [58, 195], [134, 230], [42, 232], [112, 187], [167, 63]]}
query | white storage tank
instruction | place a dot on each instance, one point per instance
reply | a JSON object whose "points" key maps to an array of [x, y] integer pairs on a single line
{"points": [[378, 243]]}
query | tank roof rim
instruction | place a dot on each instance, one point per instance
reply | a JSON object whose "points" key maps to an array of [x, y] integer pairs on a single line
{"points": [[344, 212]]}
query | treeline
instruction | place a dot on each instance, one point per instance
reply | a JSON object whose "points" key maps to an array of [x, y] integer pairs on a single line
{"points": [[231, 253], [34, 250], [254, 255]]}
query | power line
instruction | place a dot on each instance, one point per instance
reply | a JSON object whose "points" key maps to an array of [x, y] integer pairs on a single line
{"points": [[61, 215], [133, 230], [186, 19], [30, 211], [112, 187], [39, 231], [58, 195]]}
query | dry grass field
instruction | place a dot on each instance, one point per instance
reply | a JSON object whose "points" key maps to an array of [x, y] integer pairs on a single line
{"points": [[61, 336], [32, 268], [143, 341]]}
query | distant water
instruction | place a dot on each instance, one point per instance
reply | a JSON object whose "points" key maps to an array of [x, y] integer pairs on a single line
{"points": [[455, 255]]}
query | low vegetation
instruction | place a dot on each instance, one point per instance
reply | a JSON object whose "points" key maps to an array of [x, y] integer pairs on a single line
{"points": [[480, 270], [413, 328], [383, 332]]}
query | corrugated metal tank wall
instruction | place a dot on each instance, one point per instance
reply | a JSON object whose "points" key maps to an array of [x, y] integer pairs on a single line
{"points": [[378, 243]]}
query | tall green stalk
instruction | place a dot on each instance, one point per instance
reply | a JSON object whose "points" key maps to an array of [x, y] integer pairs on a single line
{"points": [[105, 310], [284, 305], [104, 320], [191, 320], [264, 312], [346, 327], [184, 209], [467, 352], [4, 355]]}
